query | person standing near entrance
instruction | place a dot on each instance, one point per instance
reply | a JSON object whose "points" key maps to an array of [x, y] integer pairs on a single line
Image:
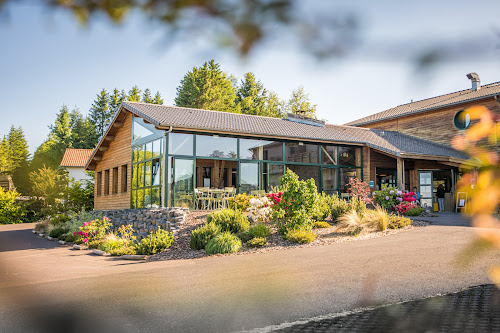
{"points": [[440, 197], [416, 195]]}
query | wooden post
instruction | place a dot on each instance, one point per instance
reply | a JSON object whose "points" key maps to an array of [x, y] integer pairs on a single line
{"points": [[400, 173]]}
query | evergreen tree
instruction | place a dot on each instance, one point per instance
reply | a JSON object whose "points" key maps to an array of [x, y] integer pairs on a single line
{"points": [[83, 134], [116, 98], [299, 101], [275, 107], [101, 113], [18, 157], [47, 154], [62, 130], [251, 96], [146, 97], [207, 87], [134, 95], [158, 99], [5, 161]]}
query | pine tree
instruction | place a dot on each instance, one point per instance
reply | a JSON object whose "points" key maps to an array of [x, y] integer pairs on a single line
{"points": [[116, 98], [134, 95], [207, 87], [275, 107], [18, 147], [83, 134], [251, 96], [62, 130], [5, 161], [299, 101], [46, 154], [100, 113], [158, 99], [146, 97]]}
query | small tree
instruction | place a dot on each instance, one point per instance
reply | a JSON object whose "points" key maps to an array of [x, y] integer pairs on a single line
{"points": [[10, 211], [360, 189], [49, 184], [80, 196]]}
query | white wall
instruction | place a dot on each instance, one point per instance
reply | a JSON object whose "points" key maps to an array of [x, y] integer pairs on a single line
{"points": [[77, 173]]}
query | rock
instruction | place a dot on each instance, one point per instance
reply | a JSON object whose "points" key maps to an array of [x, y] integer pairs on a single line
{"points": [[51, 238], [33, 231], [133, 257], [79, 247], [62, 242], [98, 252], [41, 235]]}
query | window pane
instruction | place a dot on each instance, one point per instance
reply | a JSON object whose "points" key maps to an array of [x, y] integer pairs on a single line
{"points": [[275, 173], [345, 174], [155, 197], [140, 153], [134, 199], [140, 174], [142, 130], [180, 144], [149, 150], [249, 177], [157, 150], [216, 146], [147, 198], [147, 173], [140, 198], [305, 172], [254, 149], [329, 155], [350, 156], [156, 172], [273, 151], [183, 182], [301, 152], [329, 180], [134, 155]]}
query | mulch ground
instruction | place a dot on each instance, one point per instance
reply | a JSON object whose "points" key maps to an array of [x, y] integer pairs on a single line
{"points": [[181, 250]]}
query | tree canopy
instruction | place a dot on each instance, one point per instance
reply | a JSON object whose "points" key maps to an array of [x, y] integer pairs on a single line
{"points": [[300, 101]]}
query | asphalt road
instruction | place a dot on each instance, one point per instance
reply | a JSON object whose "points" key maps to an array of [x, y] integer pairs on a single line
{"points": [[45, 287]]}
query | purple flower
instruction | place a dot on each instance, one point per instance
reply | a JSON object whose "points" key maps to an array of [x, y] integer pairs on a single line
{"points": [[399, 192], [400, 199], [391, 192], [387, 198]]}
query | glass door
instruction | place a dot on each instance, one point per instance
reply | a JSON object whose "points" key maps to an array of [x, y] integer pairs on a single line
{"points": [[249, 177], [330, 183], [183, 181], [425, 186]]}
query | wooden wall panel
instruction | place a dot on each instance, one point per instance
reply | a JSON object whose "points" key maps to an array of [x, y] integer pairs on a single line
{"points": [[118, 154]]}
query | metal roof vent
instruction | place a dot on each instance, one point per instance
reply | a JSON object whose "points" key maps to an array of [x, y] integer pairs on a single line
{"points": [[300, 118], [476, 81]]}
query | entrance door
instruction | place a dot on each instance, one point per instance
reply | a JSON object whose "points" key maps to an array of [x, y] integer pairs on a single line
{"points": [[425, 186], [183, 180]]}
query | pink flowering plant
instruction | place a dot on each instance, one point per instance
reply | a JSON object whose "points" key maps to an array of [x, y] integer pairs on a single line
{"points": [[390, 197], [359, 189], [405, 206], [92, 230]]}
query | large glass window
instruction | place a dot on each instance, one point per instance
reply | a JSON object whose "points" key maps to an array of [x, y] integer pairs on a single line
{"points": [[141, 130], [216, 146], [180, 144], [254, 149], [305, 172], [273, 151], [275, 172], [301, 152], [249, 177], [350, 156], [329, 154], [330, 185]]}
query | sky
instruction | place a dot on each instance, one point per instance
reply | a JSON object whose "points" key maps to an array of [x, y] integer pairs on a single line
{"points": [[47, 59]]}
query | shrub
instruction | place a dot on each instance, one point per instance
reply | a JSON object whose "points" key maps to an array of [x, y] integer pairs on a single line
{"points": [[230, 220], [80, 195], [359, 189], [239, 202], [390, 197], [398, 221], [112, 242], [59, 219], [376, 218], [260, 209], [42, 226], [201, 236], [259, 231], [224, 242], [299, 221], [352, 223], [300, 236], [245, 236], [323, 207], [358, 205], [321, 224], [415, 211], [68, 237], [156, 242], [92, 230], [121, 251], [95, 244], [10, 210], [77, 221], [257, 242], [404, 206], [57, 232], [339, 207]]}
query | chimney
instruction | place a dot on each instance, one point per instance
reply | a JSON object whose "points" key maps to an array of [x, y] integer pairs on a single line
{"points": [[476, 81]]}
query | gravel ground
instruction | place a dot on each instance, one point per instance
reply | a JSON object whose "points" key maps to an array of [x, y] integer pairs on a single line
{"points": [[181, 250]]}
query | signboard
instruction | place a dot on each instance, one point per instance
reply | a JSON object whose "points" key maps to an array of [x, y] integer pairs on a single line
{"points": [[372, 183], [461, 201]]}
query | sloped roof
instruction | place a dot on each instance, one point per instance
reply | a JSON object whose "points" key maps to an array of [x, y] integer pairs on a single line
{"points": [[462, 96], [76, 157], [185, 118]]}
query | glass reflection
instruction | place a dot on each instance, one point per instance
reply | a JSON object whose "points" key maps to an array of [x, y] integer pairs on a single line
{"points": [[180, 144], [216, 146]]}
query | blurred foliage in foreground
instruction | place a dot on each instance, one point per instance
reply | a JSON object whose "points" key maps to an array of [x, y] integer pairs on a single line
{"points": [[482, 185]]}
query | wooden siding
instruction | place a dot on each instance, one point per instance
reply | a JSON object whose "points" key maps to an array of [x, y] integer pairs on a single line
{"points": [[435, 125], [118, 154]]}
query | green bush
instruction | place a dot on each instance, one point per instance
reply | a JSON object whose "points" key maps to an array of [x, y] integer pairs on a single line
{"points": [[339, 207], [321, 224], [77, 221], [300, 236], [300, 221], [59, 219], [201, 236], [224, 242], [415, 211], [259, 230], [95, 244], [57, 232], [239, 202], [10, 210], [398, 221], [68, 237], [245, 236], [230, 220], [121, 251], [257, 242], [156, 242], [323, 207]]}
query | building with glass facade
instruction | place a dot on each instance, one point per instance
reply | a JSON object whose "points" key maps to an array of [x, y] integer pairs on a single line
{"points": [[155, 155]]}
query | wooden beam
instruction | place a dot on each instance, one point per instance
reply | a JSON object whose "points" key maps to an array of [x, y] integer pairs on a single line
{"points": [[400, 173], [109, 137], [118, 124], [103, 148], [97, 158]]}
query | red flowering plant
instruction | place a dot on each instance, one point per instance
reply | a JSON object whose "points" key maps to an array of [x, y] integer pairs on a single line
{"points": [[92, 230], [360, 189], [405, 206]]}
